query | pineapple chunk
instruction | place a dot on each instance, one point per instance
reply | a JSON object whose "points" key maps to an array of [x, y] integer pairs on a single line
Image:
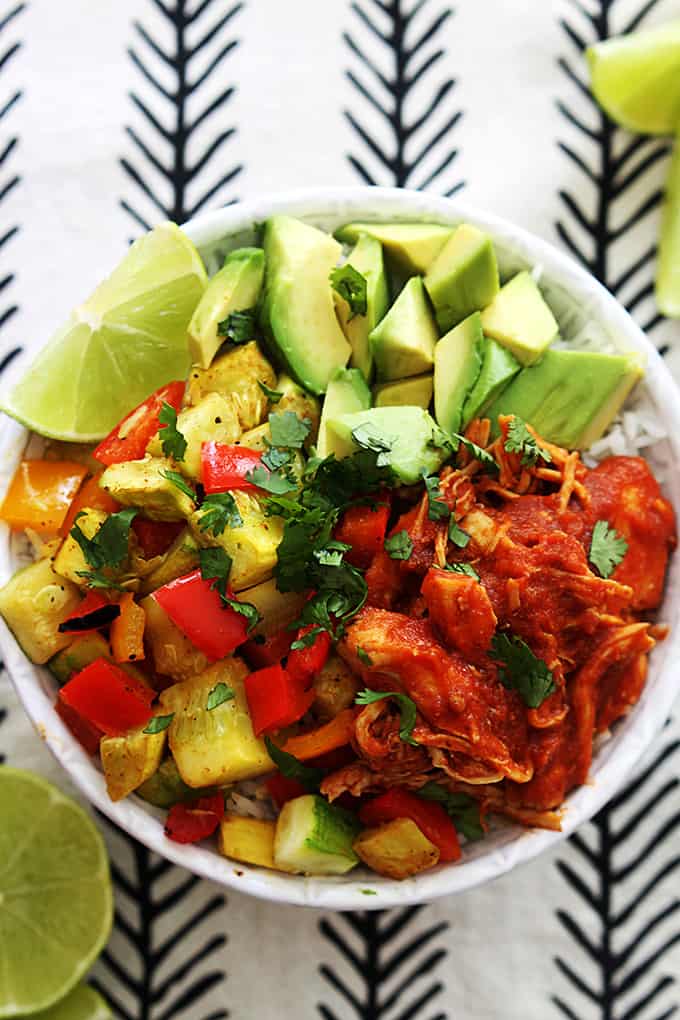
{"points": [[213, 418], [173, 653], [216, 747], [235, 375], [130, 760], [33, 603], [247, 839], [70, 559], [303, 404], [252, 547], [180, 558], [397, 849], [141, 483], [276, 608]]}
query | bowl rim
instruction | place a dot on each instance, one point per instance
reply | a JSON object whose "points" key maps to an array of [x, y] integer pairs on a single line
{"points": [[637, 730]]}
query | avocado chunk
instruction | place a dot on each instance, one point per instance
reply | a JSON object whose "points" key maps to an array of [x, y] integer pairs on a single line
{"points": [[367, 258], [347, 392], [519, 318], [33, 603], [412, 247], [409, 432], [457, 364], [235, 288], [415, 392], [464, 276], [570, 397], [298, 313], [499, 367], [403, 343]]}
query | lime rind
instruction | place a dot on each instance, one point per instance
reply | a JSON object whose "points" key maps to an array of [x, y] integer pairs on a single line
{"points": [[81, 1003]]}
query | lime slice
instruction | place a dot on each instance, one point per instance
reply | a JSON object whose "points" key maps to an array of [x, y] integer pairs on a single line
{"points": [[126, 340], [636, 78], [668, 265], [55, 893], [83, 1003]]}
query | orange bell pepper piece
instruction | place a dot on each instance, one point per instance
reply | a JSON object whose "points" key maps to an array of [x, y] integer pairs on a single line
{"points": [[40, 494], [328, 737], [127, 631], [92, 496]]}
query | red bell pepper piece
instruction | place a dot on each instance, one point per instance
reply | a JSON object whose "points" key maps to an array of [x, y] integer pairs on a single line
{"points": [[275, 699], [304, 663], [268, 652], [188, 823], [364, 529], [225, 467], [199, 612], [430, 817], [281, 790], [107, 697], [130, 438], [92, 613], [87, 735], [156, 537]]}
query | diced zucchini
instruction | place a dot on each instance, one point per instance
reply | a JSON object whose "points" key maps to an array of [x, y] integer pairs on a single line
{"points": [[315, 837], [143, 483], [173, 653], [218, 746], [71, 559], [397, 849], [252, 547], [33, 603], [130, 760], [180, 558], [166, 787], [236, 375], [335, 688], [247, 839], [277, 609], [82, 650], [213, 418]]}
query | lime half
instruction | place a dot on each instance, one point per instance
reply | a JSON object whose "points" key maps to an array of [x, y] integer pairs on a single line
{"points": [[126, 340], [55, 893], [82, 1003], [636, 78]]}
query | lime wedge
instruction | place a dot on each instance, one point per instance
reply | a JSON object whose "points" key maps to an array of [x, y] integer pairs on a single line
{"points": [[126, 340], [636, 78], [668, 265], [83, 1003], [55, 893]]}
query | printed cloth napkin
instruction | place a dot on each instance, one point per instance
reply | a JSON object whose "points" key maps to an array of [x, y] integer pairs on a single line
{"points": [[115, 115]]}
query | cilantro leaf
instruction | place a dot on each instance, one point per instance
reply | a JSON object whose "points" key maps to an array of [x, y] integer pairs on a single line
{"points": [[288, 430], [607, 548], [176, 479], [96, 579], [399, 546], [220, 693], [363, 656], [457, 535], [173, 442], [462, 809], [341, 593], [407, 710], [349, 283], [291, 768], [306, 640], [522, 671], [109, 545], [238, 327], [462, 568], [331, 554], [437, 509], [478, 453], [275, 458], [219, 511], [274, 395], [519, 440], [361, 474], [277, 482], [158, 723], [368, 437], [215, 565], [246, 609]]}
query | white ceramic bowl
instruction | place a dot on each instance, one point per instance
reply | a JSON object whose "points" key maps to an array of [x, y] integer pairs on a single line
{"points": [[578, 300]]}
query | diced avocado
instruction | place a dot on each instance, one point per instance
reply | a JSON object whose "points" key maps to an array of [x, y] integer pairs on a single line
{"points": [[415, 392], [403, 342], [457, 364], [143, 483], [82, 650], [347, 392], [235, 288], [410, 433], [70, 560], [129, 760], [213, 418], [519, 318], [464, 276], [180, 558], [367, 258], [33, 603], [298, 313], [315, 837], [499, 366], [300, 402], [569, 397], [412, 247], [236, 375], [252, 547], [217, 746], [166, 787], [173, 653]]}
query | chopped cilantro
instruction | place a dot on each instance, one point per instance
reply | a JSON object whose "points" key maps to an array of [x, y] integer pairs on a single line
{"points": [[239, 327], [291, 768], [519, 440], [462, 809], [332, 553], [288, 430], [368, 892], [176, 479], [173, 442], [97, 579], [368, 437], [607, 548], [457, 535], [399, 546], [462, 568], [437, 509], [277, 482], [246, 609], [349, 283], [220, 693], [108, 547], [363, 656], [522, 671], [158, 723], [407, 710], [219, 511], [478, 453], [274, 395], [215, 566]]}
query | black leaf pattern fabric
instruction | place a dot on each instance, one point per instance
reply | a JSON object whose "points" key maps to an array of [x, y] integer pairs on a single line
{"points": [[156, 109]]}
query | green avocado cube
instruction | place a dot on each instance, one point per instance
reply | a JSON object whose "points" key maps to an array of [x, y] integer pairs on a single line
{"points": [[457, 364], [347, 392], [411, 247], [499, 367], [415, 392], [235, 288], [367, 258], [519, 319], [403, 343], [409, 434], [464, 276]]}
